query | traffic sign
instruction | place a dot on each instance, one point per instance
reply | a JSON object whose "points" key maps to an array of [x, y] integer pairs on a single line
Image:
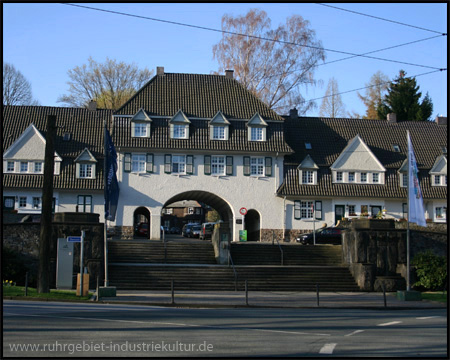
{"points": [[243, 211], [74, 239]]}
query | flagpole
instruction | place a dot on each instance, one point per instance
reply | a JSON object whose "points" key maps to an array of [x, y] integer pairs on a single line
{"points": [[105, 243], [408, 283]]}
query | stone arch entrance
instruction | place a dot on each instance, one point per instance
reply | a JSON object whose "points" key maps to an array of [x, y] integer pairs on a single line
{"points": [[141, 222], [253, 225], [216, 202]]}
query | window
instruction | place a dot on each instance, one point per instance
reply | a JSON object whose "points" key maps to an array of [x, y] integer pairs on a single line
{"points": [[308, 146], [351, 210], [179, 131], [363, 177], [306, 209], [405, 180], [36, 203], [138, 163], [219, 132], [8, 202], [339, 177], [351, 177], [396, 147], [256, 134], [85, 171], [84, 203], [140, 130], [405, 210], [191, 211], [179, 164], [168, 211], [23, 166], [307, 177], [256, 166], [437, 180], [364, 210], [375, 178], [38, 167], [10, 166], [22, 202], [440, 213], [218, 165]]}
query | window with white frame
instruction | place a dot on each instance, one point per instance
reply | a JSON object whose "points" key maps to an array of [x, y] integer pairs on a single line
{"points": [[38, 167], [219, 132], [339, 176], [440, 213], [179, 131], [404, 180], [363, 177], [140, 130], [256, 134], [85, 171], [168, 211], [256, 166], [138, 162], [10, 166], [84, 203], [307, 177], [22, 202], [217, 165], [375, 178], [351, 210], [36, 202], [351, 177], [23, 166], [191, 211], [8, 202], [179, 164], [306, 209]]}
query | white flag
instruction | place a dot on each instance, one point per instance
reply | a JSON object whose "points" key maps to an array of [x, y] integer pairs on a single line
{"points": [[416, 213]]}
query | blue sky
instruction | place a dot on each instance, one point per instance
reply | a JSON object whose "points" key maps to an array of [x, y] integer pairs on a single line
{"points": [[44, 41]]}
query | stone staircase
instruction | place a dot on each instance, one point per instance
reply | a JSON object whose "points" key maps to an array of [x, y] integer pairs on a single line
{"points": [[141, 265]]}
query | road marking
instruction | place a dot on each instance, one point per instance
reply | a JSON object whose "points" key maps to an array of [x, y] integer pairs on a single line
{"points": [[427, 317], [355, 332], [390, 323], [237, 327], [327, 348]]}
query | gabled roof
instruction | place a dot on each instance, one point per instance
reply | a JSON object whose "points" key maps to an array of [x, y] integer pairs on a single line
{"points": [[307, 163], [440, 165], [179, 118], [256, 120], [198, 96], [219, 119], [85, 156], [141, 115]]}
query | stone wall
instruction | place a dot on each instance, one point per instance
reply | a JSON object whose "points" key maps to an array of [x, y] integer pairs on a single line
{"points": [[24, 238]]}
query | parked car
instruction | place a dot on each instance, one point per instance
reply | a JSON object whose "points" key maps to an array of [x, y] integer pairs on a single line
{"points": [[195, 231], [327, 235], [142, 229], [187, 229], [175, 230], [207, 231]]}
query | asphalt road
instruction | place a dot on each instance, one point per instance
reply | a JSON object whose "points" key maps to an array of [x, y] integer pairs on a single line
{"points": [[86, 330]]}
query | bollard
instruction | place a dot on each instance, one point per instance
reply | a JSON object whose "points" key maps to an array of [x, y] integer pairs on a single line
{"points": [[246, 292], [384, 294], [96, 298], [173, 291], [317, 293], [26, 284]]}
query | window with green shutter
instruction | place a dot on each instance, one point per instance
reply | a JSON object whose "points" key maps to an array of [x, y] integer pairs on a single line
{"points": [[168, 163], [246, 165], [268, 166], [189, 164], [207, 164], [127, 162], [149, 163], [229, 167]]}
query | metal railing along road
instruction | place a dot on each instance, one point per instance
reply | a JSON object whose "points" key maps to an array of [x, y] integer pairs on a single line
{"points": [[279, 246]]}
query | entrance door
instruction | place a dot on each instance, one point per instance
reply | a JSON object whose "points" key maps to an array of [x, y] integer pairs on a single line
{"points": [[339, 212], [252, 225], [375, 210]]}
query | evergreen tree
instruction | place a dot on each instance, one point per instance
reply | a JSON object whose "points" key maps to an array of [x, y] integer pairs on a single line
{"points": [[403, 99]]}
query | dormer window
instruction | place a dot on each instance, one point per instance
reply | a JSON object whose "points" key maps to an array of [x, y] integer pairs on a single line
{"points": [[307, 177], [140, 130], [257, 128], [219, 127], [438, 172], [179, 126], [219, 132], [308, 171], [396, 148], [141, 125], [308, 146], [85, 171], [85, 165]]}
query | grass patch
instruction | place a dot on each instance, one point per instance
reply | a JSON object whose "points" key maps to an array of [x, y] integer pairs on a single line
{"points": [[53, 294], [435, 296]]}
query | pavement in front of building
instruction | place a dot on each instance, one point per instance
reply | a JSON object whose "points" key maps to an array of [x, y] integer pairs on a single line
{"points": [[341, 300]]}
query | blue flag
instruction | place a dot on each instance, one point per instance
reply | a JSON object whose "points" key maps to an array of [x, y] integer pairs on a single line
{"points": [[416, 213], [111, 184]]}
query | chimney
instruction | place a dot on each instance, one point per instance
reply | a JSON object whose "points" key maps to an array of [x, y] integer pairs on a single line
{"points": [[92, 105], [392, 118], [160, 70], [229, 74], [441, 120], [293, 114]]}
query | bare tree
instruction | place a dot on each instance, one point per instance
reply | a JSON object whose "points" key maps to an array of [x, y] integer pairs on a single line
{"points": [[332, 105], [376, 89], [110, 84], [16, 88], [273, 64]]}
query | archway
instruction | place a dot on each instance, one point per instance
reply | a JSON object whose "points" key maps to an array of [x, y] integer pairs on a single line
{"points": [[141, 222], [253, 225]]}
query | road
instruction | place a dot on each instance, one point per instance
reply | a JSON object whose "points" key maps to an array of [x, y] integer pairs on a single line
{"points": [[72, 329]]}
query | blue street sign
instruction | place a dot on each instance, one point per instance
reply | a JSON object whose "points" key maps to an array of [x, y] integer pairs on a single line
{"points": [[74, 239]]}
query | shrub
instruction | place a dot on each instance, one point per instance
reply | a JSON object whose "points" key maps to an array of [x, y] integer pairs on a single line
{"points": [[431, 270], [15, 265]]}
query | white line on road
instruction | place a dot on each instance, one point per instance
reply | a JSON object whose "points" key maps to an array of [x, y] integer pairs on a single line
{"points": [[390, 323], [355, 332], [427, 317], [327, 348]]}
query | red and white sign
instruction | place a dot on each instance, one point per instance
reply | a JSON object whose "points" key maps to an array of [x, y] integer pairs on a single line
{"points": [[243, 211]]}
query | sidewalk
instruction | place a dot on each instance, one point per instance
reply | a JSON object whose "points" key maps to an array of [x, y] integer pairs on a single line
{"points": [[344, 300]]}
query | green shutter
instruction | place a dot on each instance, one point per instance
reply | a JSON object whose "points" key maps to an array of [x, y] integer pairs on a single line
{"points": [[189, 164], [149, 163], [168, 163], [297, 210], [318, 210], [246, 165], [268, 165], [229, 166], [127, 162], [207, 164]]}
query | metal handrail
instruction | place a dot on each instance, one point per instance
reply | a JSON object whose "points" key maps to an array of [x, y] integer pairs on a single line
{"points": [[279, 246], [230, 260]]}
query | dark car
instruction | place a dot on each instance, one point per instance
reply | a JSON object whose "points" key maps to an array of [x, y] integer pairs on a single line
{"points": [[187, 229], [142, 229], [328, 235], [195, 231], [175, 230]]}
